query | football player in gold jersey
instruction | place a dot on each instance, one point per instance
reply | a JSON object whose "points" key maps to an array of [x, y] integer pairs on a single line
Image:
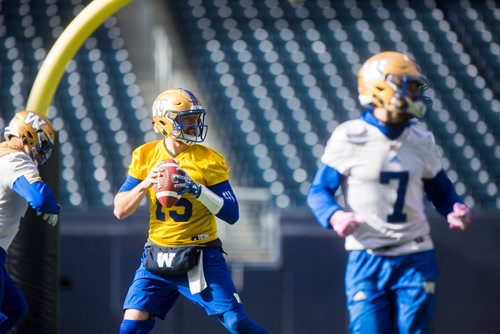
{"points": [[183, 254]]}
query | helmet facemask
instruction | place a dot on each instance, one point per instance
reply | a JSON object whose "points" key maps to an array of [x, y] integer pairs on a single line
{"points": [[188, 126], [408, 96], [41, 152], [394, 82]]}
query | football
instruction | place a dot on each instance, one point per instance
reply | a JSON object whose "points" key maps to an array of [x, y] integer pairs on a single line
{"points": [[165, 190]]}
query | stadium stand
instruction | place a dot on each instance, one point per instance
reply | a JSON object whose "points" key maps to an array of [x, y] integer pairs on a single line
{"points": [[279, 78], [285, 76], [103, 113]]}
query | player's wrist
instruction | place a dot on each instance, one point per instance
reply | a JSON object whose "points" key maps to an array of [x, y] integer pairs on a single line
{"points": [[211, 200], [196, 190], [345, 223], [460, 217], [144, 185], [334, 218]]}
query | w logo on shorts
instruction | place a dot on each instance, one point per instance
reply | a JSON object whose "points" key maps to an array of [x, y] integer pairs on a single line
{"points": [[165, 259]]}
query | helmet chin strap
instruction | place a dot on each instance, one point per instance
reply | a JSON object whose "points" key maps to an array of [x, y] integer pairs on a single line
{"points": [[188, 140]]}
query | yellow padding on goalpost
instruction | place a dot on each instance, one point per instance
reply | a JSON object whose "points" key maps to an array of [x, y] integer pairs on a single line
{"points": [[64, 49]]}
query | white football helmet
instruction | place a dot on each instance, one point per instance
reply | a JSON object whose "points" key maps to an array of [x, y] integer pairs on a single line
{"points": [[36, 132], [393, 81], [179, 114]]}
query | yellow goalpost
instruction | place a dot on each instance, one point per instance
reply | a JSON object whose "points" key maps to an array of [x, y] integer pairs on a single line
{"points": [[64, 49]]}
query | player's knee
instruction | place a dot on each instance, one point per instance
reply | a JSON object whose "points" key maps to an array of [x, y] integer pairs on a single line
{"points": [[136, 326], [133, 314], [248, 326], [237, 322], [10, 318]]}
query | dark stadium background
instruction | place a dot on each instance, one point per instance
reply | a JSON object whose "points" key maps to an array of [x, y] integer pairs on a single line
{"points": [[276, 78]]}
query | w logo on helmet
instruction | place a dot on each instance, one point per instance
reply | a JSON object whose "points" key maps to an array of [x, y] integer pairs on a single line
{"points": [[36, 132], [159, 107], [34, 120]]}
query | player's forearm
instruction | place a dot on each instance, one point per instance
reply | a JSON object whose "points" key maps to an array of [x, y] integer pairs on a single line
{"points": [[211, 200], [441, 193], [321, 195], [127, 202], [38, 194], [224, 202]]}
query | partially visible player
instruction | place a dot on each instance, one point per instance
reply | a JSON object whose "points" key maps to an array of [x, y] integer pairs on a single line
{"points": [[385, 164], [29, 142], [187, 231]]}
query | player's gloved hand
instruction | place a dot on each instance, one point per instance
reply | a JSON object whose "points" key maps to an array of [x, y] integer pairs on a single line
{"points": [[460, 218], [185, 184], [50, 218], [345, 223]]}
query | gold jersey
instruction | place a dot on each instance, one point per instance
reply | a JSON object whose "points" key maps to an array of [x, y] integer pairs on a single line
{"points": [[188, 222]]}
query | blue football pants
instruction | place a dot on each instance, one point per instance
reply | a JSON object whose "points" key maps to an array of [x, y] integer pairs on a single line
{"points": [[390, 294], [13, 306], [157, 295]]}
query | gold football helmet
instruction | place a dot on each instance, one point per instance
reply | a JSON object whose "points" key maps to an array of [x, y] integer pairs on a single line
{"points": [[393, 81], [179, 114], [36, 132]]}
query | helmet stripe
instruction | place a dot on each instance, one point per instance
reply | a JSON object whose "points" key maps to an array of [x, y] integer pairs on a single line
{"points": [[191, 95]]}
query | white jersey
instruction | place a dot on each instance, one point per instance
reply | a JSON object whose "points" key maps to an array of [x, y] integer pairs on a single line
{"points": [[12, 206], [383, 185]]}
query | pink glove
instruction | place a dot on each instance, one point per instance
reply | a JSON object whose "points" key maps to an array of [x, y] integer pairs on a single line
{"points": [[345, 223], [460, 218]]}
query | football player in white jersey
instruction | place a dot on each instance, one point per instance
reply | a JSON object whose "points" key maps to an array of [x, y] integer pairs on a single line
{"points": [[385, 164], [29, 142]]}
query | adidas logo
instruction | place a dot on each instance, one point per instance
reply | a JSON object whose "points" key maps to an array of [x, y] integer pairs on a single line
{"points": [[360, 295], [395, 159]]}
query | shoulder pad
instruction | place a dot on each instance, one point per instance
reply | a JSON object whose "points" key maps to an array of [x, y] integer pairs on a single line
{"points": [[7, 148], [355, 131], [418, 134]]}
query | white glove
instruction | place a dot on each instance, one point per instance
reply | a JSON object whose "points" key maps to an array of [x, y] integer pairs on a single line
{"points": [[50, 218]]}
